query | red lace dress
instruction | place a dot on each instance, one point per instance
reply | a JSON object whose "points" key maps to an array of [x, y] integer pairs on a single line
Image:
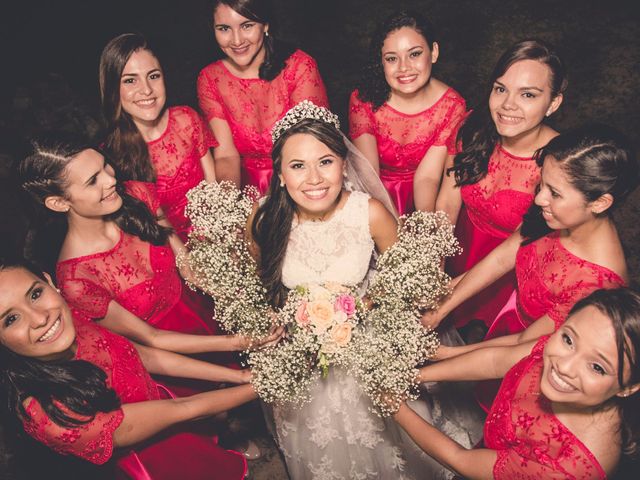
{"points": [[550, 281], [181, 454], [252, 106], [492, 210], [403, 140], [531, 442], [176, 159]]}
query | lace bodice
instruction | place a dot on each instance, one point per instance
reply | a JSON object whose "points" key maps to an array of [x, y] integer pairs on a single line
{"points": [[532, 443], [336, 250], [551, 279], [497, 203], [402, 139], [252, 106], [125, 374], [176, 159]]}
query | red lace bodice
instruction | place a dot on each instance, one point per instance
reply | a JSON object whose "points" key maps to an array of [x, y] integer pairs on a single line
{"points": [[141, 277], [497, 203], [125, 374], [176, 159], [252, 106], [551, 279], [402, 139], [532, 443]]}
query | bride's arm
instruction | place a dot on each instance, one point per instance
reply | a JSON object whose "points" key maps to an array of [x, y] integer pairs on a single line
{"points": [[382, 225]]}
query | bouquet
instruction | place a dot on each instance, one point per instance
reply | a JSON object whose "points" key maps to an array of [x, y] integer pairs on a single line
{"points": [[327, 325]]}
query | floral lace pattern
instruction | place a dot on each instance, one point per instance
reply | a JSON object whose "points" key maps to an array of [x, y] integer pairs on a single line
{"points": [[497, 203], [141, 277], [337, 250], [551, 279], [176, 159], [93, 441], [532, 443], [252, 106], [403, 140]]}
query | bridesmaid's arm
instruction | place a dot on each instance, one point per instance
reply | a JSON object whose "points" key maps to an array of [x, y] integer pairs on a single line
{"points": [[208, 167], [426, 182], [382, 225], [144, 419], [449, 199], [500, 261], [123, 322], [226, 156], [162, 362], [481, 364], [367, 144], [473, 464], [543, 326]]}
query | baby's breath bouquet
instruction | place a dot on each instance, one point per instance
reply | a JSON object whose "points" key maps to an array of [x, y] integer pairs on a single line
{"points": [[321, 321], [327, 325], [220, 259]]}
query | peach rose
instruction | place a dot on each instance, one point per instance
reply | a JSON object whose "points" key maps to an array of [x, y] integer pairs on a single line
{"points": [[341, 334], [346, 303], [302, 316], [319, 293], [320, 314], [339, 317]]}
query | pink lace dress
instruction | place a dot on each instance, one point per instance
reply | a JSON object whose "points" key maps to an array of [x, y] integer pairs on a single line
{"points": [[176, 159], [492, 210], [403, 140], [181, 454], [252, 106], [531, 442]]}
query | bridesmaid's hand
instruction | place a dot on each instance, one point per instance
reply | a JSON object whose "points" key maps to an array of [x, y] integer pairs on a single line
{"points": [[274, 336], [432, 318], [244, 376]]}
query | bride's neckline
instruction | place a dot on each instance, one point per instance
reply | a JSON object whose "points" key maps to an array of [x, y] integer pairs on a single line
{"points": [[335, 213]]}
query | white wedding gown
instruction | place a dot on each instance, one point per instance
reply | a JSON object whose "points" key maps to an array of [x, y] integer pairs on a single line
{"points": [[336, 436]]}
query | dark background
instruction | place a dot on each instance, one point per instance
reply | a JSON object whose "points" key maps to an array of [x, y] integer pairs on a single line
{"points": [[49, 54]]}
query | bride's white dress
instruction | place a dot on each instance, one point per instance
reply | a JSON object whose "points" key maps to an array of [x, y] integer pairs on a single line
{"points": [[336, 436]]}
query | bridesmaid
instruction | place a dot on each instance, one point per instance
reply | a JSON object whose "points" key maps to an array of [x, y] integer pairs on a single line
{"points": [[242, 95], [146, 141], [568, 405], [568, 246], [492, 181], [111, 259], [82, 390], [400, 117]]}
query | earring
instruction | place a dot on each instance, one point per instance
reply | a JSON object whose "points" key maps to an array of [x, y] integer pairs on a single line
{"points": [[266, 34], [282, 183]]}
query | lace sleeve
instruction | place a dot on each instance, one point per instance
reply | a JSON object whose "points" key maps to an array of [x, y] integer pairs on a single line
{"points": [[92, 441], [201, 134], [453, 120], [146, 192], [306, 83], [83, 295], [361, 119], [208, 97]]}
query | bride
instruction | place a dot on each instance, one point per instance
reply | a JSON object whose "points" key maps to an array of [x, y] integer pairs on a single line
{"points": [[315, 226]]}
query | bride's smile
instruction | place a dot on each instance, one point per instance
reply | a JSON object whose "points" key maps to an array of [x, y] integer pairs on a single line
{"points": [[312, 174]]}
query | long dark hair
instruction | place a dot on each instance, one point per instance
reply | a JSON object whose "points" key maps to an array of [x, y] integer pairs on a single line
{"points": [[622, 307], [77, 386], [42, 173], [373, 86], [478, 135], [123, 141], [597, 160], [276, 51], [272, 223]]}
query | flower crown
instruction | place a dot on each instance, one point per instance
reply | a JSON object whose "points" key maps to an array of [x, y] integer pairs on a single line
{"points": [[304, 109]]}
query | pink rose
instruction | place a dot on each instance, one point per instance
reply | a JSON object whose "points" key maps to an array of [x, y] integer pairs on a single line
{"points": [[345, 303], [302, 317]]}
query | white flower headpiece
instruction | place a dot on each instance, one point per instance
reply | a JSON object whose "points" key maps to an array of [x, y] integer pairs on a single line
{"points": [[304, 109]]}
